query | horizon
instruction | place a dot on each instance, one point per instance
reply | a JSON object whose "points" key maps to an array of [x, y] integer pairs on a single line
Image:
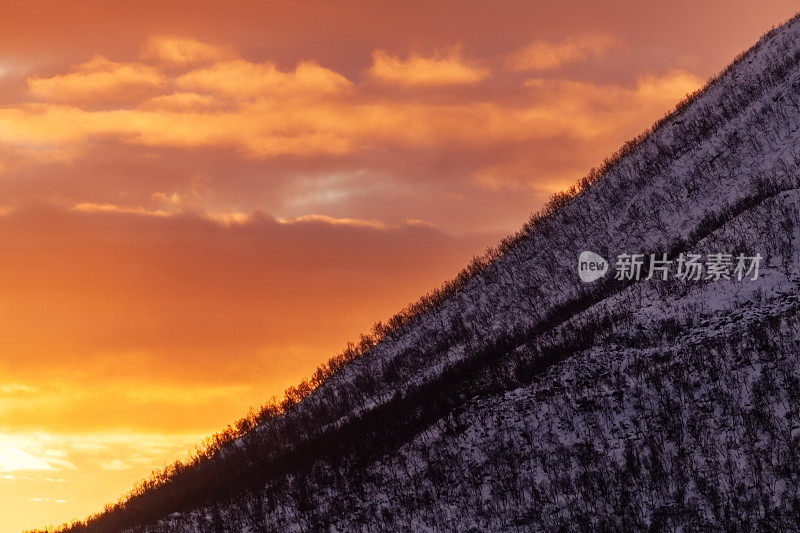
{"points": [[196, 215]]}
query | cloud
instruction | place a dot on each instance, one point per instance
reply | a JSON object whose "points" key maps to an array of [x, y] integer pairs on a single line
{"points": [[181, 102], [545, 55], [269, 128], [88, 207], [256, 110], [183, 52], [115, 464], [448, 69], [97, 80], [17, 389], [12, 459], [267, 138], [601, 113], [225, 219], [670, 87], [271, 141], [22, 455], [241, 79], [324, 219]]}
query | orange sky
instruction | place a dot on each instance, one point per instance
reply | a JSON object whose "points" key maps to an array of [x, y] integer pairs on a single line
{"points": [[199, 205]]}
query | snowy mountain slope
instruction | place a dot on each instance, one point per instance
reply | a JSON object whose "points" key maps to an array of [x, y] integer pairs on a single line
{"points": [[620, 439], [684, 412], [527, 398]]}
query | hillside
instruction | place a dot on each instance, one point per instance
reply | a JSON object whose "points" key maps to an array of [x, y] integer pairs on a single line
{"points": [[519, 396]]}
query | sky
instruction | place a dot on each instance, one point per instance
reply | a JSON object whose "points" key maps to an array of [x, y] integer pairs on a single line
{"points": [[200, 203]]}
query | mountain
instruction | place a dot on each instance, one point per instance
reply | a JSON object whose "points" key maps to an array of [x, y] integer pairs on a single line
{"points": [[519, 397]]}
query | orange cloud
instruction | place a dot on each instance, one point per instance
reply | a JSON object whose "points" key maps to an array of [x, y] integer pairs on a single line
{"points": [[242, 79], [88, 207], [262, 129], [593, 111], [13, 459], [355, 222], [307, 140], [544, 55], [271, 126], [181, 102], [670, 87], [182, 52], [99, 79], [449, 69], [262, 111]]}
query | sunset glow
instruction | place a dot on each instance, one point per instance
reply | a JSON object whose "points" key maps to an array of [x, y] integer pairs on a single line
{"points": [[199, 203]]}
